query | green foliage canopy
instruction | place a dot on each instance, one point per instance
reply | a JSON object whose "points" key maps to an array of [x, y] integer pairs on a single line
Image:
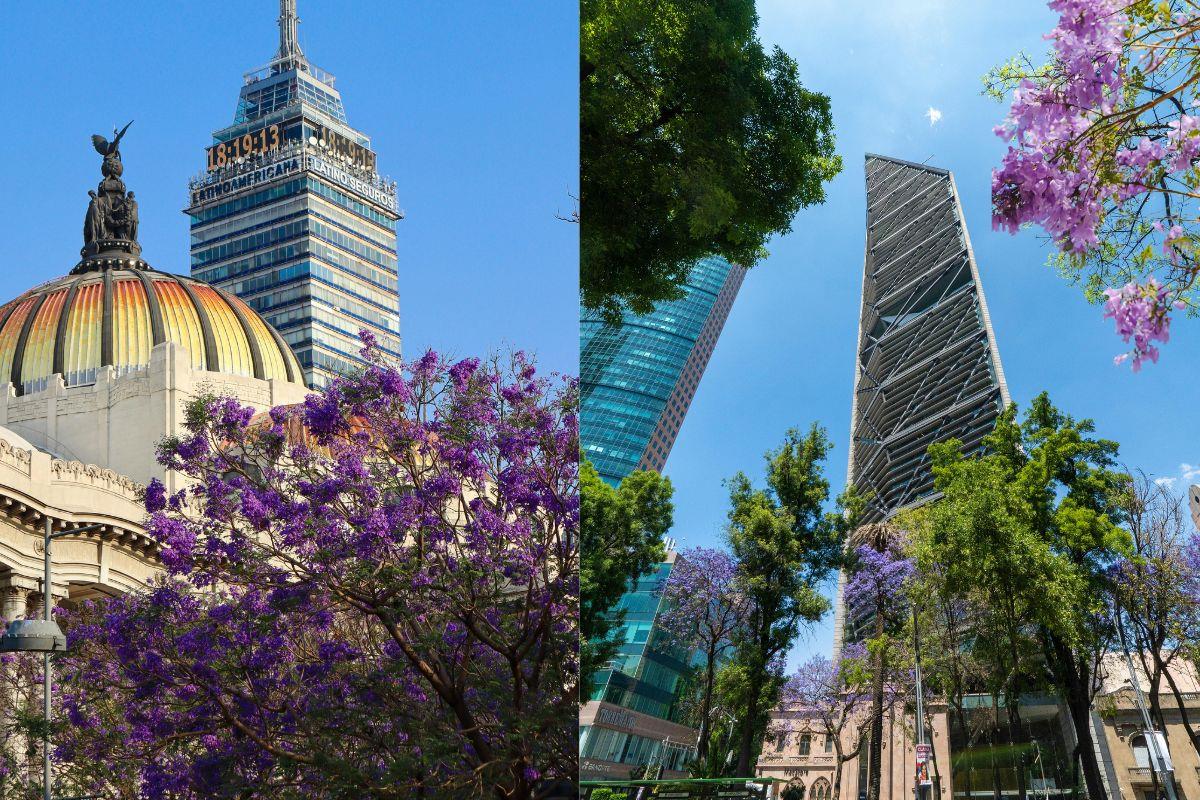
{"points": [[621, 534], [694, 141], [785, 545]]}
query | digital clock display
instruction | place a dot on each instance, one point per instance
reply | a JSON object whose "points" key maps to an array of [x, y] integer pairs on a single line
{"points": [[255, 143], [345, 149]]}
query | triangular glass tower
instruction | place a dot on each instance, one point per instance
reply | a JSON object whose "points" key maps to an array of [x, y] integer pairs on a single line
{"points": [[928, 368]]}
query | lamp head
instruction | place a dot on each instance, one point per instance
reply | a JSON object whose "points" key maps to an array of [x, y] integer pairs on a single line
{"points": [[33, 636]]}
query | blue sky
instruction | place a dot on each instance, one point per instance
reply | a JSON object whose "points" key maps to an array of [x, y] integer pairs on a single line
{"points": [[472, 108], [786, 356]]}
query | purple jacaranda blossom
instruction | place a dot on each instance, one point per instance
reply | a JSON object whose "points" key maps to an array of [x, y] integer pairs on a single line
{"points": [[391, 562], [877, 579], [1101, 143], [156, 496], [1142, 315]]}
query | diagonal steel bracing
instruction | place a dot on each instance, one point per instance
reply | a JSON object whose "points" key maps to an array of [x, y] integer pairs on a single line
{"points": [[927, 367]]}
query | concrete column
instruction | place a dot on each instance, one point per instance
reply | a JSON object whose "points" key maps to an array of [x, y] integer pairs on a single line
{"points": [[13, 600]]}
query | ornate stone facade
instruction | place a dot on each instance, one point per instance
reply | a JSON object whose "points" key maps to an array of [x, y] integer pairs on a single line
{"points": [[80, 455], [118, 420], [803, 757]]}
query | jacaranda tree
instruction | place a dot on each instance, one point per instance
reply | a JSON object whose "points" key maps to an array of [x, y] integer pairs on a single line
{"points": [[371, 595], [878, 571], [1104, 144], [824, 697], [706, 609]]}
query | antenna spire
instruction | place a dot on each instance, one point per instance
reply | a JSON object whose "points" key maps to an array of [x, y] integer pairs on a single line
{"points": [[289, 41]]}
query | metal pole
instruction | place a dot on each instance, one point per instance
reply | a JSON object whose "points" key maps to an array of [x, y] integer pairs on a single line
{"points": [[920, 703], [1151, 742], [47, 602]]}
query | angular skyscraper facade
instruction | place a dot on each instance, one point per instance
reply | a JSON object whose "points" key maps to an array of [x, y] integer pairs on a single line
{"points": [[928, 368], [637, 379], [291, 215]]}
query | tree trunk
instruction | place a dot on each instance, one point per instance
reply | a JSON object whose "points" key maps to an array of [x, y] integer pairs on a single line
{"points": [[1080, 718], [749, 723], [875, 761], [1014, 743], [706, 708], [746, 744], [997, 790]]}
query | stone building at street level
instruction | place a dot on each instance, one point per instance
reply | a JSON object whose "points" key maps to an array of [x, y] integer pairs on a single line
{"points": [[805, 759], [802, 755], [1124, 755]]}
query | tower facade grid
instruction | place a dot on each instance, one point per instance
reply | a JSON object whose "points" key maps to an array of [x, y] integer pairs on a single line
{"points": [[291, 215], [928, 368]]}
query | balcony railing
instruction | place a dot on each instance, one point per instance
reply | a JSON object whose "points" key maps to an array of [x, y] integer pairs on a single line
{"points": [[1141, 775]]}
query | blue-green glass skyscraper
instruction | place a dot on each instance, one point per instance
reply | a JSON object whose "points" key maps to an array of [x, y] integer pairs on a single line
{"points": [[632, 716], [638, 378]]}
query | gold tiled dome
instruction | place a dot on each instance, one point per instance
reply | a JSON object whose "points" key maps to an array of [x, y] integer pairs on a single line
{"points": [[77, 324]]}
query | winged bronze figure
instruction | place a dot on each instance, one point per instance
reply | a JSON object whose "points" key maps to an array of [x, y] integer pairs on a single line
{"points": [[106, 148]]}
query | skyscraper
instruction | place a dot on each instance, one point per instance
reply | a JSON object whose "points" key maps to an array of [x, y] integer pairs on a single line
{"points": [[637, 379], [928, 368], [632, 716], [291, 215]]}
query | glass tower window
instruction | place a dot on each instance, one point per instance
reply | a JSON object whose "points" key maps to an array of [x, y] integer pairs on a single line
{"points": [[311, 252], [628, 371]]}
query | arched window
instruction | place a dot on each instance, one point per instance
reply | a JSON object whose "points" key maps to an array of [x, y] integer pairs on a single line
{"points": [[805, 744], [820, 790], [781, 741], [828, 743], [1141, 752]]}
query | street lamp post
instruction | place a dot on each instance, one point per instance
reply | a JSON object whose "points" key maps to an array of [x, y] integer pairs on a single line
{"points": [[1156, 743], [42, 636]]}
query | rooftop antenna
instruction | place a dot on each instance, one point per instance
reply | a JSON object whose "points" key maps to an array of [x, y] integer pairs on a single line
{"points": [[289, 40]]}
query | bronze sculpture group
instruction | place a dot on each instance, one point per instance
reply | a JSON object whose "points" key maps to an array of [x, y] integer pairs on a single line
{"points": [[112, 214]]}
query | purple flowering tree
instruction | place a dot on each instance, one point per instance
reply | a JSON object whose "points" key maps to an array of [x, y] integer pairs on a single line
{"points": [[373, 593], [874, 593], [1103, 144], [706, 609], [826, 696], [1157, 588]]}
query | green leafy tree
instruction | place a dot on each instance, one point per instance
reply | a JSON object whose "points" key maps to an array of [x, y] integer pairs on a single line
{"points": [[621, 534], [694, 141], [1025, 534], [785, 546], [949, 670]]}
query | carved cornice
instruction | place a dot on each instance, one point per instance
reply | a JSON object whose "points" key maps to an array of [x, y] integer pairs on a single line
{"points": [[79, 472]]}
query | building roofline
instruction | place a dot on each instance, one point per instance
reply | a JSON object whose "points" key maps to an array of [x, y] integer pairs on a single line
{"points": [[913, 164]]}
